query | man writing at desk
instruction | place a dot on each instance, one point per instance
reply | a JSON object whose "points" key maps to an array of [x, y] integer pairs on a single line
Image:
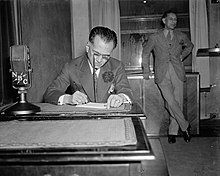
{"points": [[95, 76]]}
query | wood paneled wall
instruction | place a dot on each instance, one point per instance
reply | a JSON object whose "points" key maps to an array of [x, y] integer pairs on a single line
{"points": [[157, 121], [213, 97], [139, 20], [46, 30]]}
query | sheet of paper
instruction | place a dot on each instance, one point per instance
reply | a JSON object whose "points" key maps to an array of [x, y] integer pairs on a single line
{"points": [[93, 105], [47, 108]]}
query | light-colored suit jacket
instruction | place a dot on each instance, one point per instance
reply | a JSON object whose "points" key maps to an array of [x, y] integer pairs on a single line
{"points": [[78, 76], [164, 52]]}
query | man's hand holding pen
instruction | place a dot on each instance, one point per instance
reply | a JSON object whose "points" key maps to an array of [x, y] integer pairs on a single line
{"points": [[76, 98]]}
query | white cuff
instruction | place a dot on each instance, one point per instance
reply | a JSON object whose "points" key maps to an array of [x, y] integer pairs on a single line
{"points": [[60, 100], [63, 99], [128, 100]]}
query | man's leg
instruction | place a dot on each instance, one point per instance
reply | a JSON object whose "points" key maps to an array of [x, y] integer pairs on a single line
{"points": [[168, 92]]}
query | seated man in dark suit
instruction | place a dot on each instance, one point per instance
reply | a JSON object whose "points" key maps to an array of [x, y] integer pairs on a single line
{"points": [[109, 82]]}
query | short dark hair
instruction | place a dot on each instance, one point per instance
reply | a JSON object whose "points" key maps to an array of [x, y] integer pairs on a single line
{"points": [[105, 33], [165, 14]]}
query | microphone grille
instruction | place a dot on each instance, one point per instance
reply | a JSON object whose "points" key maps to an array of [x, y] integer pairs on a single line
{"points": [[19, 57]]}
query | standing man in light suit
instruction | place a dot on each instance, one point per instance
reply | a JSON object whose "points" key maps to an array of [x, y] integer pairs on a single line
{"points": [[111, 84], [170, 47]]}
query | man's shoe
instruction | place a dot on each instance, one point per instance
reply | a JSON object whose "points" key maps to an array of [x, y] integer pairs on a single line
{"points": [[187, 135], [171, 139]]}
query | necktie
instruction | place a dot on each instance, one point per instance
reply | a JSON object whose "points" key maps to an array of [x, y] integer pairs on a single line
{"points": [[169, 36], [95, 79], [169, 39]]}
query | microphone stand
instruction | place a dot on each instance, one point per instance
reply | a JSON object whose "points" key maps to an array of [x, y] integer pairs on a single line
{"points": [[22, 107]]}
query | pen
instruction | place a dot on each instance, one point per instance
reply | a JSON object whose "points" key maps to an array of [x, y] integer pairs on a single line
{"points": [[77, 88]]}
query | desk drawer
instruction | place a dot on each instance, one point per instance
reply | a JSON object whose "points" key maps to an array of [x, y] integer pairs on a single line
{"points": [[73, 170]]}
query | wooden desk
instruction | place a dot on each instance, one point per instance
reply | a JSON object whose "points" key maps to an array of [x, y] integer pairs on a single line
{"points": [[122, 160]]}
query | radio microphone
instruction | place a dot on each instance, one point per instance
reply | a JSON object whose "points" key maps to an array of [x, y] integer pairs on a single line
{"points": [[21, 80], [20, 66]]}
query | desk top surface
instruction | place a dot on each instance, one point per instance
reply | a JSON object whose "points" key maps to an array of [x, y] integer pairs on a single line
{"points": [[50, 111], [141, 151]]}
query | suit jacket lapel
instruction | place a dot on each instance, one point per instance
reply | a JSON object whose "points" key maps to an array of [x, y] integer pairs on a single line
{"points": [[163, 39], [86, 79], [103, 87], [175, 39]]}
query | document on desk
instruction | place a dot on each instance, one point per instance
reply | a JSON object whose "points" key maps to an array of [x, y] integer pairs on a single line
{"points": [[47, 108], [93, 105]]}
